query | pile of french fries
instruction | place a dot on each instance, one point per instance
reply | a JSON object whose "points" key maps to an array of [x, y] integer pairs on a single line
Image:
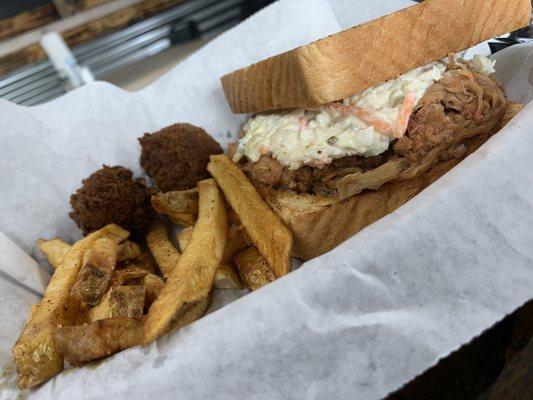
{"points": [[108, 293]]}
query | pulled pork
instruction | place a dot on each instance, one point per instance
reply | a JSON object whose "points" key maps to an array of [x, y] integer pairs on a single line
{"points": [[462, 105], [306, 179]]}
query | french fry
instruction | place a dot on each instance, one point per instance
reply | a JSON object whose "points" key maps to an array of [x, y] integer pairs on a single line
{"points": [[98, 266], [184, 236], [128, 276], [152, 284], [191, 282], [81, 344], [144, 261], [181, 206], [191, 314], [164, 252], [272, 238], [54, 250], [226, 277], [33, 310], [238, 240], [120, 301], [36, 353], [253, 269], [233, 218], [128, 251]]}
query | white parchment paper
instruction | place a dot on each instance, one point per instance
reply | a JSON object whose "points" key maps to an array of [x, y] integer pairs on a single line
{"points": [[357, 322], [353, 12]]}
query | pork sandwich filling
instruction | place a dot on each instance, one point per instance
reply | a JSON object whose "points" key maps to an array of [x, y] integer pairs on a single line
{"points": [[394, 131]]}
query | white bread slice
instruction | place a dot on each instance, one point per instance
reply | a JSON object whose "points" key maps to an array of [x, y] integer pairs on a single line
{"points": [[343, 64], [320, 223]]}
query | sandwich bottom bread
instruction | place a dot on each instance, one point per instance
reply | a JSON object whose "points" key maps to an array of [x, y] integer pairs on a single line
{"points": [[331, 171]]}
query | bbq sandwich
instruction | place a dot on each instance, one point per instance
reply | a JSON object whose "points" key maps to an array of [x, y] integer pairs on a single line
{"points": [[369, 116]]}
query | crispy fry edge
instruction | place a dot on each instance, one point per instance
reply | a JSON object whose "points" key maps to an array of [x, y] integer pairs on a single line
{"points": [[253, 269], [35, 353], [54, 250], [272, 238], [191, 282], [162, 249]]}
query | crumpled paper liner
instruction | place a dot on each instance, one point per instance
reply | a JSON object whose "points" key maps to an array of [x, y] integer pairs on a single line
{"points": [[359, 321]]}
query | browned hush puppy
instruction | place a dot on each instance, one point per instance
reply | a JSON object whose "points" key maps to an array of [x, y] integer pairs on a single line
{"points": [[111, 195], [176, 157]]}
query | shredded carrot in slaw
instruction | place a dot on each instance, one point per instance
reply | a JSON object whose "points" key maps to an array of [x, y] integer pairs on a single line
{"points": [[405, 113], [366, 116], [369, 118], [302, 124]]}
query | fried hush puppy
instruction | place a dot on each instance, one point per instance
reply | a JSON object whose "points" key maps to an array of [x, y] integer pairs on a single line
{"points": [[111, 195], [176, 157]]}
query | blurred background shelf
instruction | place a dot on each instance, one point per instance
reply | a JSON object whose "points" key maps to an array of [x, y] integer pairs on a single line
{"points": [[126, 42]]}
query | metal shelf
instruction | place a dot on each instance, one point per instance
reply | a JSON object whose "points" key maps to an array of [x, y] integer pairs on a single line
{"points": [[39, 82]]}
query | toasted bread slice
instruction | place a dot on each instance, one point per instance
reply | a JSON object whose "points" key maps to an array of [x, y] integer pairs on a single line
{"points": [[361, 57], [320, 223]]}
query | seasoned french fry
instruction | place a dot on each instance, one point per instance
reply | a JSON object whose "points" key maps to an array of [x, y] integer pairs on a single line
{"points": [[226, 277], [98, 266], [253, 269], [181, 206], [128, 251], [164, 252], [36, 354], [144, 261], [54, 250], [33, 310], [120, 301], [238, 240], [81, 344], [273, 240], [128, 276], [191, 314], [183, 219], [191, 281], [152, 284], [180, 201], [233, 218], [184, 236]]}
